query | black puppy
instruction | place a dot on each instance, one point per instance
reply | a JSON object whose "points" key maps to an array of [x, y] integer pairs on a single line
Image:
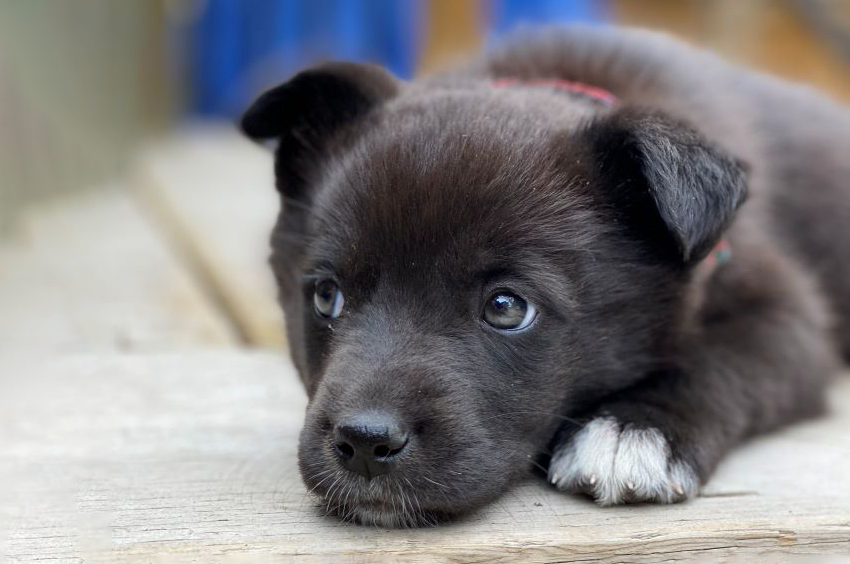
{"points": [[550, 252]]}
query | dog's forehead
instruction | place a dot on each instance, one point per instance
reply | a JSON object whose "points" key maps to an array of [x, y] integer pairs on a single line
{"points": [[453, 188]]}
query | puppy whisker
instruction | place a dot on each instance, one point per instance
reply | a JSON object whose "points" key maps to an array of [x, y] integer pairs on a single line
{"points": [[436, 483]]}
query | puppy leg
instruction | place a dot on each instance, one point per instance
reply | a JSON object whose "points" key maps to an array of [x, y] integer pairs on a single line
{"points": [[753, 366]]}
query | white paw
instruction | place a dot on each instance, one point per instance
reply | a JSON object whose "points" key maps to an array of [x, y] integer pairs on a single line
{"points": [[621, 466]]}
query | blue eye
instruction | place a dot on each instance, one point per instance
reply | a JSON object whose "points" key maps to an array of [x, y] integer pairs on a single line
{"points": [[328, 299], [506, 311]]}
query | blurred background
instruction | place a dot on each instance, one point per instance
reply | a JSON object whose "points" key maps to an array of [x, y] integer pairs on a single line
{"points": [[83, 82], [135, 100]]}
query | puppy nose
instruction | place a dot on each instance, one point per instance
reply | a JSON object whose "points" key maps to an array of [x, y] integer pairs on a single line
{"points": [[368, 443]]}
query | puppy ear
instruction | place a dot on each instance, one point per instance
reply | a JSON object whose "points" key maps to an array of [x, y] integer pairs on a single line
{"points": [[306, 112], [666, 181]]}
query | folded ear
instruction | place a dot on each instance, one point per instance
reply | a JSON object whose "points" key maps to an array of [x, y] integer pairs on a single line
{"points": [[308, 111], [666, 181]]}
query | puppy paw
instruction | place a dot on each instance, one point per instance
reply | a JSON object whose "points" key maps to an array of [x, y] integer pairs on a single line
{"points": [[621, 464]]}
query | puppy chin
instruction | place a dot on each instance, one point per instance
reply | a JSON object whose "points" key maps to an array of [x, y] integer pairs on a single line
{"points": [[389, 507], [394, 519]]}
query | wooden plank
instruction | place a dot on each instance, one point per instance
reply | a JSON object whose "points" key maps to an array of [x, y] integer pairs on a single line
{"points": [[191, 458], [90, 273], [214, 191]]}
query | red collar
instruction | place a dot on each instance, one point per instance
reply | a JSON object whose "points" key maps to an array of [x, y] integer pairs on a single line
{"points": [[594, 92], [720, 254]]}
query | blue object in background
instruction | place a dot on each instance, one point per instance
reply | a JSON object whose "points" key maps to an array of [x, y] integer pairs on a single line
{"points": [[239, 47], [502, 16]]}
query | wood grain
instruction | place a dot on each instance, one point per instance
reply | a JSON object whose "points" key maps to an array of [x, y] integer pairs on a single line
{"points": [[213, 191], [91, 273], [191, 458]]}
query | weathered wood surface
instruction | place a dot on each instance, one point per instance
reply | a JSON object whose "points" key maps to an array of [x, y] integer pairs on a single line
{"points": [[214, 192], [191, 458], [92, 273], [110, 456]]}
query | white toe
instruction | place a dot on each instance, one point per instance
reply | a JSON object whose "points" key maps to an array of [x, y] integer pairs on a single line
{"points": [[617, 466]]}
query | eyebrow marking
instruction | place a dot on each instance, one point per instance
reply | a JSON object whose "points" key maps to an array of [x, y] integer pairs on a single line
{"points": [[318, 272]]}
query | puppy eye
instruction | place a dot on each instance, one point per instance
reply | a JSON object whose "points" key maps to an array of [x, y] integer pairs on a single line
{"points": [[327, 298], [506, 311]]}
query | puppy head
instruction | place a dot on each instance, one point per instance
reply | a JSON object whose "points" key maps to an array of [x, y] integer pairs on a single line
{"points": [[462, 265]]}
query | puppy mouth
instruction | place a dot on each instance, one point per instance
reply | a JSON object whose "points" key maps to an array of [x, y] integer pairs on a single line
{"points": [[381, 502], [401, 513], [395, 519]]}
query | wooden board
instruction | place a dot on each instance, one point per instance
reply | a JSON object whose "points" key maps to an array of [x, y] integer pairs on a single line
{"points": [[191, 458], [91, 273], [214, 191]]}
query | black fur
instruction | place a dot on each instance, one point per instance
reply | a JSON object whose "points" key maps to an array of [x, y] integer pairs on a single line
{"points": [[420, 199], [305, 111], [659, 168]]}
